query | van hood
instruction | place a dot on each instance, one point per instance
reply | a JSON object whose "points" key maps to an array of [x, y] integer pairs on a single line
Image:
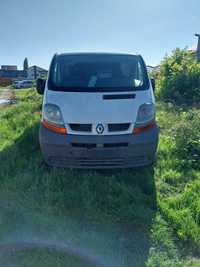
{"points": [[93, 108]]}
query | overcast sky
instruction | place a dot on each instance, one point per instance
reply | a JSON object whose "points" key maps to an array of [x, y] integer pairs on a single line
{"points": [[38, 28]]}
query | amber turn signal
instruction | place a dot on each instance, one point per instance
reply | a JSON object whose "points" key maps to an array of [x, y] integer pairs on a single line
{"points": [[142, 129], [54, 128]]}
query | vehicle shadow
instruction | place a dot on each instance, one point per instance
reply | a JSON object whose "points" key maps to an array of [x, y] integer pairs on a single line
{"points": [[113, 210]]}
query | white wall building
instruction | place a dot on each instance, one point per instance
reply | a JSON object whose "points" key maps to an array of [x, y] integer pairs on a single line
{"points": [[35, 72]]}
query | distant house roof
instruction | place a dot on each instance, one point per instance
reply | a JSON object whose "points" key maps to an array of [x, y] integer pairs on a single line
{"points": [[153, 68], [37, 67]]}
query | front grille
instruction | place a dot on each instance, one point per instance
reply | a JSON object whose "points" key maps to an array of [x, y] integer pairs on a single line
{"points": [[112, 127], [83, 145], [107, 145], [116, 145], [117, 127], [98, 163], [81, 127]]}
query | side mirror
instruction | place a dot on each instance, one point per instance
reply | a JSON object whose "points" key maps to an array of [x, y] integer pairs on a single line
{"points": [[153, 83], [40, 86]]}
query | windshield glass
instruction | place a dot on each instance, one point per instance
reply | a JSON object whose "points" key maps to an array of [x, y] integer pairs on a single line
{"points": [[98, 72]]}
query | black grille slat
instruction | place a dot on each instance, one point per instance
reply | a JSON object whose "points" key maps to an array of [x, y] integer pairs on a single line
{"points": [[83, 145], [117, 127], [80, 127], [117, 97], [106, 145], [116, 145]]}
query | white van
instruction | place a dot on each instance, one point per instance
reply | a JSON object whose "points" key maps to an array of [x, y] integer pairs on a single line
{"points": [[98, 112]]}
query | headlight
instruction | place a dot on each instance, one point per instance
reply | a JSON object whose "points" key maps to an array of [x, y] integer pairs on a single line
{"points": [[52, 119], [146, 114], [52, 114]]}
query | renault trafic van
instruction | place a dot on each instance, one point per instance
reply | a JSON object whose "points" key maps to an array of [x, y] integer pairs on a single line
{"points": [[98, 112]]}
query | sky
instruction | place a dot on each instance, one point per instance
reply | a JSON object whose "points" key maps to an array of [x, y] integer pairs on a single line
{"points": [[37, 29]]}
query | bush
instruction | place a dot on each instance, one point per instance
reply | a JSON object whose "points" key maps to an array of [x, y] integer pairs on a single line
{"points": [[187, 140], [179, 78]]}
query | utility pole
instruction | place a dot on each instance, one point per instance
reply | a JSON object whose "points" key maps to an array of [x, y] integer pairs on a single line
{"points": [[198, 47]]}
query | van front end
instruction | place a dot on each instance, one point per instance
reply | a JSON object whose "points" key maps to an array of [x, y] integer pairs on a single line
{"points": [[98, 112]]}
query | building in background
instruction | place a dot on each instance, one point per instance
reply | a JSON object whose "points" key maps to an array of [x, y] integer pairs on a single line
{"points": [[153, 70], [195, 49], [35, 72], [10, 73], [8, 67]]}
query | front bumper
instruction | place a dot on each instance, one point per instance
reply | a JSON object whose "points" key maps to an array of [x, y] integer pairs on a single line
{"points": [[82, 151]]}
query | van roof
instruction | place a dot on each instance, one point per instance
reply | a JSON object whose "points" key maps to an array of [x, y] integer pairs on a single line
{"points": [[96, 53]]}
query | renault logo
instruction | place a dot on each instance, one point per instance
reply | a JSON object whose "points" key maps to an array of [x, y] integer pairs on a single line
{"points": [[100, 128]]}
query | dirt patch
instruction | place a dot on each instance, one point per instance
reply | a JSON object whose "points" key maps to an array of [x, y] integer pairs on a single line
{"points": [[7, 94], [7, 97]]}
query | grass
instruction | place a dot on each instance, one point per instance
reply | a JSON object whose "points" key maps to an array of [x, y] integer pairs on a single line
{"points": [[41, 258], [162, 202]]}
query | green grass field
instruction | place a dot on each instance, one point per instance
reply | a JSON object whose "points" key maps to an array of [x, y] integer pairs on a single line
{"points": [[156, 208], [41, 258]]}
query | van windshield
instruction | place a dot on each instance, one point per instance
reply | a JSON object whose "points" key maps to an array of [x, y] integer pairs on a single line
{"points": [[98, 72]]}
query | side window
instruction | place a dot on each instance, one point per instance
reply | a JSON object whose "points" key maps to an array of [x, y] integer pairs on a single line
{"points": [[140, 73], [56, 73], [138, 78]]}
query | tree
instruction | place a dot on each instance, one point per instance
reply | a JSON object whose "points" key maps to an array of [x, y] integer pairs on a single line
{"points": [[26, 63], [179, 78]]}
